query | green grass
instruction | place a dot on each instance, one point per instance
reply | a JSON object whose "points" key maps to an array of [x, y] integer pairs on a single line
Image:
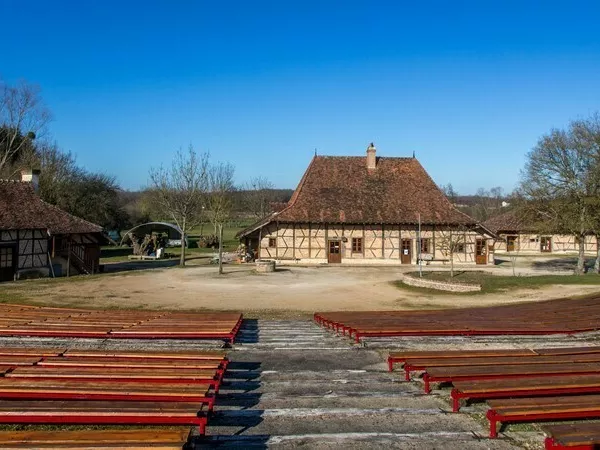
{"points": [[112, 254], [495, 283]]}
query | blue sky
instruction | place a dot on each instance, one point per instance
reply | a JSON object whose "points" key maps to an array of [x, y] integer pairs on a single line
{"points": [[468, 86]]}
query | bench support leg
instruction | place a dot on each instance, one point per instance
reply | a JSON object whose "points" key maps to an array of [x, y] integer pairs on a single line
{"points": [[493, 418], [427, 383], [406, 372], [390, 364], [455, 400]]}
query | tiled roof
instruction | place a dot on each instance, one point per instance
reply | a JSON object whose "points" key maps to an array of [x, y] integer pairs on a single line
{"points": [[507, 222], [22, 208], [342, 190]]}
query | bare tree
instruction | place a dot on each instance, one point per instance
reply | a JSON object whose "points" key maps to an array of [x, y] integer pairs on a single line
{"points": [[449, 192], [561, 182], [23, 116], [258, 195], [179, 191], [449, 241], [487, 203], [219, 199]]}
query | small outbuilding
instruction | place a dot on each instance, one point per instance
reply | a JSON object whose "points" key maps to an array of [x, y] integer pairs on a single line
{"points": [[39, 239], [516, 235]]}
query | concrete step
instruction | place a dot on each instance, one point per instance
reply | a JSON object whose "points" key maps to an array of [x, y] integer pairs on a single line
{"points": [[358, 441]]}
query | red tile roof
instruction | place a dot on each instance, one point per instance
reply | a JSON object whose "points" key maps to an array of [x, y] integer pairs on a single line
{"points": [[508, 222], [338, 189], [21, 208]]}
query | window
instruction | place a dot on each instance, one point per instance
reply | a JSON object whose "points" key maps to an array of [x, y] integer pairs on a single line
{"points": [[6, 257], [459, 247], [425, 245], [357, 245], [272, 242]]}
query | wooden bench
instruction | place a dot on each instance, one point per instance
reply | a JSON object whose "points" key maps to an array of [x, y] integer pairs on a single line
{"points": [[453, 374], [524, 387], [411, 365], [401, 357], [16, 320], [541, 409], [575, 436], [69, 389], [103, 412], [533, 318], [144, 438]]}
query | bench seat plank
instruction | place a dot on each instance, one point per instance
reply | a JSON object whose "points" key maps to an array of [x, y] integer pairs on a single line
{"points": [[524, 387], [164, 439], [542, 408], [76, 361], [583, 435], [102, 412], [451, 374], [203, 355]]}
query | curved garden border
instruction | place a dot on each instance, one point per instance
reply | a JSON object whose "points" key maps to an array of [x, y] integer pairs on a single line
{"points": [[440, 285]]}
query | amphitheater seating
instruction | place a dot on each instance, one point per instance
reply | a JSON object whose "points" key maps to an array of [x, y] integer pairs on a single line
{"points": [[68, 386], [548, 317], [18, 320]]}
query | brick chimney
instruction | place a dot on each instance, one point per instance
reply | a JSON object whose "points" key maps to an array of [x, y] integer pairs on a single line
{"points": [[371, 159], [31, 176]]}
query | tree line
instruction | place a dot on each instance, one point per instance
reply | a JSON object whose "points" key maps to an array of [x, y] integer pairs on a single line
{"points": [[200, 190]]}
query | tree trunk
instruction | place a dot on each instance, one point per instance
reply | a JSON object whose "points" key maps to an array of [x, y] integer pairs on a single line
{"points": [[451, 257], [182, 257], [220, 249], [597, 263], [581, 257]]}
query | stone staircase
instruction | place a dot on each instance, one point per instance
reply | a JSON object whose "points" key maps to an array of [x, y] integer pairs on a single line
{"points": [[292, 384]]}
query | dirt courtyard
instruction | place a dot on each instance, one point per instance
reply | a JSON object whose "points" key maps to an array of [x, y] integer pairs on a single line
{"points": [[290, 292]]}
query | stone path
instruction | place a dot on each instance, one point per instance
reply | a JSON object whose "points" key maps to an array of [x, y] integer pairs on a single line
{"points": [[294, 385]]}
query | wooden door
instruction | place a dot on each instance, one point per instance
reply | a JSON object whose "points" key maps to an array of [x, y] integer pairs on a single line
{"points": [[406, 255], [511, 243], [334, 254], [480, 251], [546, 244], [8, 263]]}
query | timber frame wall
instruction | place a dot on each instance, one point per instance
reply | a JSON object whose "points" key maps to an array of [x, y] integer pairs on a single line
{"points": [[31, 248], [531, 243], [304, 242]]}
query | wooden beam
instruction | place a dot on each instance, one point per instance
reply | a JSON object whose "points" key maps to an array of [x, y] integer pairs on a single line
{"points": [[294, 240], [382, 241], [259, 242], [434, 249], [327, 242], [400, 242], [277, 240], [309, 240], [364, 241]]}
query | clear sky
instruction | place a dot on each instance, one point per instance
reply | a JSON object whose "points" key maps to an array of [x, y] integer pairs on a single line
{"points": [[468, 86]]}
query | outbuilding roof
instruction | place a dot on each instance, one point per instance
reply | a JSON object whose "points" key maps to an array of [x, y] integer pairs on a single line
{"points": [[508, 222], [21, 208]]}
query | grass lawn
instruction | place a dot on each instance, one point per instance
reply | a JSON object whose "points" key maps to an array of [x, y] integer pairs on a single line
{"points": [[495, 283], [112, 254]]}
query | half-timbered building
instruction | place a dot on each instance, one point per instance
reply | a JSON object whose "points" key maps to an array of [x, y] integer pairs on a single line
{"points": [[515, 235], [366, 210], [39, 239]]}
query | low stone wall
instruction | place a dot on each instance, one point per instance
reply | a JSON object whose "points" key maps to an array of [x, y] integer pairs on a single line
{"points": [[440, 285]]}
